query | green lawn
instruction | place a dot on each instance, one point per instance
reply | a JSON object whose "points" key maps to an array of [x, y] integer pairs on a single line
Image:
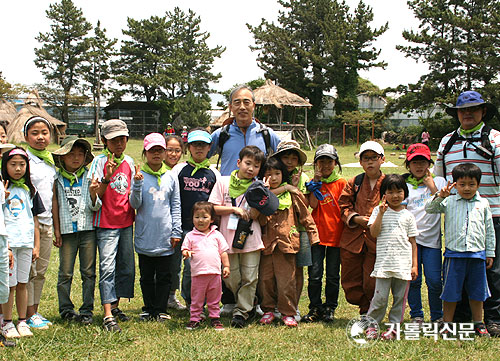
{"points": [[170, 341]]}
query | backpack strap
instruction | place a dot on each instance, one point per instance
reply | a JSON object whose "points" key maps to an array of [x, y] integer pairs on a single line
{"points": [[357, 184], [454, 137], [267, 139], [223, 137]]}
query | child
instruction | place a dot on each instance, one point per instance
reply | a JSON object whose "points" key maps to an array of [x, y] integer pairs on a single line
{"points": [[21, 209], [73, 204], [326, 188], [357, 247], [196, 178], [184, 137], [155, 196], [43, 173], [277, 271], [422, 186], [469, 241], [114, 221], [174, 151], [229, 203], [207, 249]]}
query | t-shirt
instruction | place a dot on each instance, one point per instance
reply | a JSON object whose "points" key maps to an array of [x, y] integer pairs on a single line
{"points": [[394, 251], [43, 177], [3, 230], [73, 197]]}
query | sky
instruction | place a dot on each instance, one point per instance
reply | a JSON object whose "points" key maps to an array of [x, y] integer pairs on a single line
{"points": [[20, 23]]}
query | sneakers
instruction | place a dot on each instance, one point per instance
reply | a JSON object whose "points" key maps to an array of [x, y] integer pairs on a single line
{"points": [[175, 304], [480, 330], [44, 319], [70, 316], [85, 319], [6, 343], [193, 325], [162, 317], [23, 329], [371, 333], [419, 320], [389, 335], [117, 313], [9, 330], [238, 321], [110, 324], [314, 315], [36, 322], [145, 316], [493, 329], [289, 321], [217, 325], [329, 314], [297, 316], [227, 310], [267, 318]]}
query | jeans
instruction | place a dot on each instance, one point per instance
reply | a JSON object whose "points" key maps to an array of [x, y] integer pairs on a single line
{"points": [[116, 263], [314, 287], [155, 282], [430, 259], [84, 244]]}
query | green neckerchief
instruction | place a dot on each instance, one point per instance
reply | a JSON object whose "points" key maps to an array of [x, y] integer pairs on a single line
{"points": [[205, 163], [163, 169], [331, 178], [238, 186], [72, 177], [117, 160], [19, 183], [285, 198], [168, 167], [44, 155], [416, 182], [470, 131]]}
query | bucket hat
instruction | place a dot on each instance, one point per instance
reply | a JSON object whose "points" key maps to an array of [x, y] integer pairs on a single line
{"points": [[470, 99], [66, 146]]}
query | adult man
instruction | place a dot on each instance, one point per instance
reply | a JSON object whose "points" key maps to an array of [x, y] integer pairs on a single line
{"points": [[243, 130], [475, 142]]}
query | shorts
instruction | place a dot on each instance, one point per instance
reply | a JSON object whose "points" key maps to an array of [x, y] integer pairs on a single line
{"points": [[22, 266], [304, 257], [468, 273]]}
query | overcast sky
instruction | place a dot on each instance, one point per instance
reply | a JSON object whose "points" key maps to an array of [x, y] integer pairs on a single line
{"points": [[225, 20]]}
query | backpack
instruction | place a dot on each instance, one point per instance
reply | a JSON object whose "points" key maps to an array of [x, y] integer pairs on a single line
{"points": [[224, 136], [357, 185], [485, 149]]}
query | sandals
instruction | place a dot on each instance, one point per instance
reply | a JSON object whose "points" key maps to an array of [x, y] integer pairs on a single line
{"points": [[267, 318]]}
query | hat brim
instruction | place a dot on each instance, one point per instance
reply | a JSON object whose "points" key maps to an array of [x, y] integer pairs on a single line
{"points": [[302, 155], [199, 138], [329, 155], [57, 154], [118, 133], [491, 110]]}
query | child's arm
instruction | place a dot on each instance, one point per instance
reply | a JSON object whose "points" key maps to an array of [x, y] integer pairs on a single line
{"points": [[414, 258], [226, 210], [305, 218], [225, 263], [36, 247], [111, 166], [254, 213], [136, 190], [429, 182], [55, 218], [490, 237], [376, 226], [93, 187]]}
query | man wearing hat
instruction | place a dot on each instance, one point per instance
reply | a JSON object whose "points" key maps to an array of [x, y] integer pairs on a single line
{"points": [[475, 142]]}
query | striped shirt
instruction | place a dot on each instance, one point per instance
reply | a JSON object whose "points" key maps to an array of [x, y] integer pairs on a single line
{"points": [[468, 226], [463, 152]]}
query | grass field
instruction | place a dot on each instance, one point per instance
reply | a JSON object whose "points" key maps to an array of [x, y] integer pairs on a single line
{"points": [[170, 341]]}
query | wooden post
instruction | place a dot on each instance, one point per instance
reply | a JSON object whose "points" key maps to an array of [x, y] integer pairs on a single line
{"points": [[357, 137], [373, 129], [343, 135]]}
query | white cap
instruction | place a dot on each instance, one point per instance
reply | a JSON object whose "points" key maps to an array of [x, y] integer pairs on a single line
{"points": [[371, 145]]}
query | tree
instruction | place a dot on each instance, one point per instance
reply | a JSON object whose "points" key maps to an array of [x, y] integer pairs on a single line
{"points": [[5, 88], [316, 46], [63, 51]]}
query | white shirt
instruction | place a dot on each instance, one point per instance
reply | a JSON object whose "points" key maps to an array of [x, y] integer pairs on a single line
{"points": [[43, 177]]}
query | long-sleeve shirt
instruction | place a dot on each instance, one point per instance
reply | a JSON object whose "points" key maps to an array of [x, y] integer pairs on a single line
{"points": [[468, 225]]}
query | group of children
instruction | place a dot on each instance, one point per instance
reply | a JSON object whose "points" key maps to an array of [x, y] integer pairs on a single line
{"points": [[381, 228]]}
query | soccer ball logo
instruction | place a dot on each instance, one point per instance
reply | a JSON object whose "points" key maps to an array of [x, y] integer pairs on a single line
{"points": [[363, 331]]}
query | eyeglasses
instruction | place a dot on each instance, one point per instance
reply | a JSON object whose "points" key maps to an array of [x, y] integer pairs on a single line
{"points": [[173, 150], [156, 150], [373, 158]]}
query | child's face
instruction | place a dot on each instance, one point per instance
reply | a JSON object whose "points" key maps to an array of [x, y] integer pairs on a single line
{"points": [[467, 187], [202, 220], [371, 162], [16, 167], [394, 197], [290, 160], [74, 159], [117, 145], [275, 177], [418, 167], [325, 165], [199, 151], [38, 136], [155, 156], [3, 136], [249, 168], [174, 153]]}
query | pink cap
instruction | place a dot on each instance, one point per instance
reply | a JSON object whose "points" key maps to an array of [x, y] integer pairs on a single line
{"points": [[154, 139]]}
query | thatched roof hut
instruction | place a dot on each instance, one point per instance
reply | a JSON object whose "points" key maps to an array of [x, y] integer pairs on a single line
{"points": [[33, 105], [7, 111], [270, 94]]}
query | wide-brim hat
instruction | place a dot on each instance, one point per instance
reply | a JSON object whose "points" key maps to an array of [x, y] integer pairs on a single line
{"points": [[258, 196], [470, 99], [287, 145], [66, 146]]}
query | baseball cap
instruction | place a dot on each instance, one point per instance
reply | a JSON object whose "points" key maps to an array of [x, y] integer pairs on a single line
{"points": [[154, 139], [286, 145], [418, 149], [199, 136], [373, 146], [258, 196], [326, 150], [114, 128]]}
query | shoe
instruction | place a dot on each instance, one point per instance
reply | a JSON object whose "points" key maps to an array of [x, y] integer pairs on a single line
{"points": [[481, 330], [44, 319], [117, 313], [314, 315], [389, 335], [145, 316], [328, 314], [297, 316], [110, 324], [419, 320], [238, 321], [9, 330], [85, 319], [440, 323], [175, 304], [267, 319], [162, 317], [193, 325], [227, 310], [70, 316], [217, 325], [371, 333], [493, 329], [259, 311], [290, 321], [6, 343], [23, 329], [36, 322]]}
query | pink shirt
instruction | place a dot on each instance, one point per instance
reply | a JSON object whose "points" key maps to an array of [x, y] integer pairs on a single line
{"points": [[220, 197], [206, 249]]}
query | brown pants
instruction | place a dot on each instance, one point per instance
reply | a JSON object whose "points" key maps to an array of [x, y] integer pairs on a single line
{"points": [[277, 284], [355, 277]]}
